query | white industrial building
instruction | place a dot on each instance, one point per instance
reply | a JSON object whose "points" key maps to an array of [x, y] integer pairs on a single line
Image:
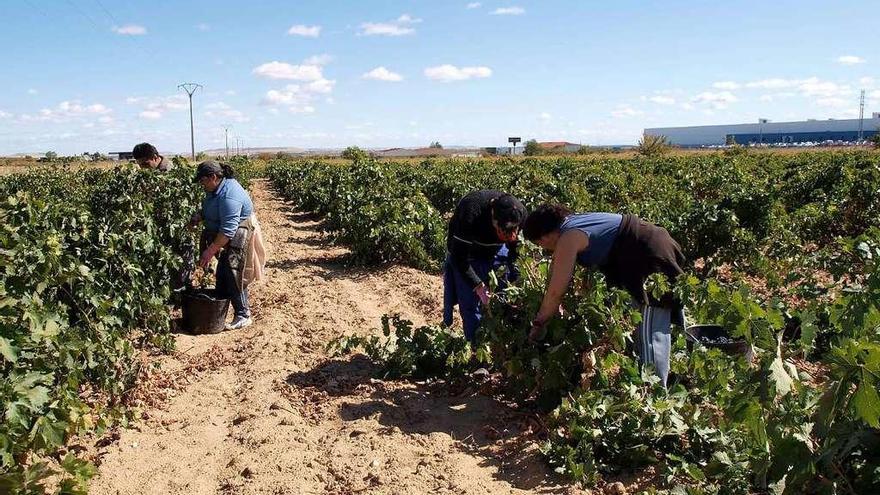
{"points": [[766, 132]]}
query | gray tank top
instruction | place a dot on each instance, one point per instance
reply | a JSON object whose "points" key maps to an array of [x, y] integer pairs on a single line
{"points": [[600, 228]]}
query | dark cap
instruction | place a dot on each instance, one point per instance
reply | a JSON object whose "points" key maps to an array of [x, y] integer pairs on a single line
{"points": [[509, 212], [208, 168]]}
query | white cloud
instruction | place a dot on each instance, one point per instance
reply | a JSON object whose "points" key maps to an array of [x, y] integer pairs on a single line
{"points": [[474, 5], [867, 82], [282, 70], [624, 111], [32, 91], [230, 92], [321, 86], [301, 109], [130, 30], [509, 11], [687, 106], [833, 102], [298, 98], [728, 85], [408, 19], [154, 107], [766, 98], [5, 115], [322, 59], [401, 26], [850, 60], [545, 116], [775, 83], [450, 73], [203, 27], [809, 87], [221, 110], [816, 87], [67, 111], [383, 29], [150, 115], [382, 74], [173, 102], [718, 101], [662, 100], [75, 109], [304, 31]]}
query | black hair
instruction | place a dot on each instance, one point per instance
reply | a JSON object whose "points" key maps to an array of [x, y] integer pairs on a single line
{"points": [[544, 220], [508, 211], [228, 172], [144, 151]]}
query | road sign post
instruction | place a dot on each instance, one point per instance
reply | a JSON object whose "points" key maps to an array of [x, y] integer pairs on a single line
{"points": [[513, 141]]}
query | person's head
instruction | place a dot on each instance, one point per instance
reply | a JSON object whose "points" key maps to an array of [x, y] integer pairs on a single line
{"points": [[210, 174], [146, 155], [507, 217], [542, 225]]}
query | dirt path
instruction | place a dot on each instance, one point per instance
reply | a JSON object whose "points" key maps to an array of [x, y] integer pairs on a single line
{"points": [[264, 410]]}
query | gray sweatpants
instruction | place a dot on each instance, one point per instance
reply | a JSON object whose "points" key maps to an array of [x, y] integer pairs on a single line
{"points": [[654, 338]]}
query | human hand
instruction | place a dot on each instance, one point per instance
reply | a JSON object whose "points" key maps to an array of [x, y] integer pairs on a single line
{"points": [[482, 294], [207, 255], [538, 331], [194, 220]]}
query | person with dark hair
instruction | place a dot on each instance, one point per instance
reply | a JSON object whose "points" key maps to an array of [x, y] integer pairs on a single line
{"points": [[147, 156], [226, 215], [483, 235], [627, 250]]}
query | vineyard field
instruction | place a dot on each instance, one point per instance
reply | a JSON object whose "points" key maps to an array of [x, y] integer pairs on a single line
{"points": [[782, 252]]}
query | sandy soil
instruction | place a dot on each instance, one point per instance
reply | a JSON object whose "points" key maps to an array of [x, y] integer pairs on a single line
{"points": [[264, 410]]}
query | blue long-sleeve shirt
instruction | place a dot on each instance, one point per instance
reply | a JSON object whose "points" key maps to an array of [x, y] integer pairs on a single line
{"points": [[225, 208]]}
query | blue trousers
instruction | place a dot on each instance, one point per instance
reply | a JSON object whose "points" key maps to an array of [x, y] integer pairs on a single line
{"points": [[457, 290]]}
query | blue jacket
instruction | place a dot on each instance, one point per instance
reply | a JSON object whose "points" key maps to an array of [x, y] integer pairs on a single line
{"points": [[224, 209]]}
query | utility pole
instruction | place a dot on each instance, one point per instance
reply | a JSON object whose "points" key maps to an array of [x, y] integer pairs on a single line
{"points": [[761, 123], [862, 117], [191, 88], [226, 134]]}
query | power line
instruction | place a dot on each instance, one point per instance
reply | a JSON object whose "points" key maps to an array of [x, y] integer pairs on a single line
{"points": [[114, 21], [86, 15], [106, 11], [38, 9]]}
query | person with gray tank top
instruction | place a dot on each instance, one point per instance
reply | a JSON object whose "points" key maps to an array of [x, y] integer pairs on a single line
{"points": [[627, 250]]}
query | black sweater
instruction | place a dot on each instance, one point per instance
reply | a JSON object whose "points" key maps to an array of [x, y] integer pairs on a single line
{"points": [[472, 235]]}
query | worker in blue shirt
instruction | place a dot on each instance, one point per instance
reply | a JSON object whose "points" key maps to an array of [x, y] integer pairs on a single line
{"points": [[226, 212]]}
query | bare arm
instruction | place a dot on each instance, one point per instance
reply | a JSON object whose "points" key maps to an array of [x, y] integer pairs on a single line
{"points": [[219, 241], [561, 270]]}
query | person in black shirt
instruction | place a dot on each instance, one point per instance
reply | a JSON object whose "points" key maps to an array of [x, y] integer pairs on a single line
{"points": [[483, 235], [147, 156]]}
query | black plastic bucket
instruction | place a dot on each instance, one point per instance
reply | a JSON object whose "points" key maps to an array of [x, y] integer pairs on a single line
{"points": [[716, 337], [204, 311]]}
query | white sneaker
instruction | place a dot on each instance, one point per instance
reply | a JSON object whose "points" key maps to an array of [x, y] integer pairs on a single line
{"points": [[239, 322]]}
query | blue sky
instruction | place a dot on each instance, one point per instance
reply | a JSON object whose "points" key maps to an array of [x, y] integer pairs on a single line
{"points": [[85, 75]]}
